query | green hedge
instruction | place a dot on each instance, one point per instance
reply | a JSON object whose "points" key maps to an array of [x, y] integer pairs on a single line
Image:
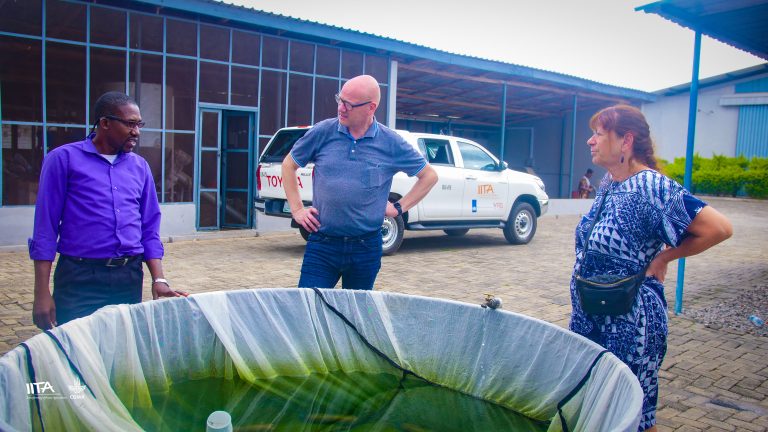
{"points": [[722, 175]]}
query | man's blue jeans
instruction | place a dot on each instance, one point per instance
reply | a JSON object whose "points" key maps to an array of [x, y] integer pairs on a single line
{"points": [[356, 260]]}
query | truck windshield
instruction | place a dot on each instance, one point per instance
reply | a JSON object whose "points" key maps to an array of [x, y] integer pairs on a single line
{"points": [[281, 144]]}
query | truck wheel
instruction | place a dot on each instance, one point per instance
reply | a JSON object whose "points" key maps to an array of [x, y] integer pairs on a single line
{"points": [[392, 234], [521, 225], [456, 232], [304, 233]]}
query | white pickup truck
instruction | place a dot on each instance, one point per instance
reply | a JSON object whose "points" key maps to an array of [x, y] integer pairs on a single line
{"points": [[474, 190]]}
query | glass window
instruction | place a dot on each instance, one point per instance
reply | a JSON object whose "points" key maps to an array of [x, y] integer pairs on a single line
{"points": [[325, 105], [381, 110], [147, 69], [65, 20], [20, 79], [213, 82], [58, 135], [214, 42], [179, 167], [245, 86], [237, 170], [475, 158], [151, 149], [210, 134], [238, 131], [107, 72], [146, 32], [65, 83], [245, 48], [327, 61], [107, 26], [275, 53], [437, 151], [272, 106], [181, 37], [299, 100], [181, 78], [22, 160], [22, 16], [351, 64], [263, 144], [209, 209], [377, 67], [302, 57], [209, 170]]}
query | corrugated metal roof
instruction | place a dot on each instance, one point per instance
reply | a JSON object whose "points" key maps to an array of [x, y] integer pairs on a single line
{"points": [[301, 28], [716, 80], [739, 23]]}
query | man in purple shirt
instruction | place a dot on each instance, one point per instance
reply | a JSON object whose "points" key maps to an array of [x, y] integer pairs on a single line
{"points": [[98, 208]]}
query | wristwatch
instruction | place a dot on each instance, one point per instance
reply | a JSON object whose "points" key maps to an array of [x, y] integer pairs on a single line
{"points": [[161, 280], [399, 208]]}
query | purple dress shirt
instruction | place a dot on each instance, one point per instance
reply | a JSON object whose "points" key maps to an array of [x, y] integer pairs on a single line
{"points": [[89, 208]]}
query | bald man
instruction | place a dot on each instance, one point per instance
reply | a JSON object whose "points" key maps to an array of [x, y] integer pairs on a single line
{"points": [[355, 159]]}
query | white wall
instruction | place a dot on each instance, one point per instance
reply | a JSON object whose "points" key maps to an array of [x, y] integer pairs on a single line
{"points": [[16, 223], [716, 125]]}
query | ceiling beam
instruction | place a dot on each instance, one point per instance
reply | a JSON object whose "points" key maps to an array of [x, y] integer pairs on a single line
{"points": [[513, 83], [491, 107]]}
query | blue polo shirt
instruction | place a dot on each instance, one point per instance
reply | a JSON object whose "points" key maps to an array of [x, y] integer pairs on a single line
{"points": [[353, 177]]}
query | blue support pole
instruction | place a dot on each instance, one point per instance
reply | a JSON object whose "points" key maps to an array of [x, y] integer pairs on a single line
{"points": [[692, 108]]}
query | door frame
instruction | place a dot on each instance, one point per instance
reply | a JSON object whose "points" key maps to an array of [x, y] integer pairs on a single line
{"points": [[224, 160], [221, 109]]}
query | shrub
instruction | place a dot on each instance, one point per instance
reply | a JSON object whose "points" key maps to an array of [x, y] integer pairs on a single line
{"points": [[722, 175], [756, 185]]}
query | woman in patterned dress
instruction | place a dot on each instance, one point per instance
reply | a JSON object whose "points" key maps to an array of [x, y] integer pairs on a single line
{"points": [[643, 212]]}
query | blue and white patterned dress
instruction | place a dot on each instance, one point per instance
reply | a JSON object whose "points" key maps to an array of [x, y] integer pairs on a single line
{"points": [[640, 215]]}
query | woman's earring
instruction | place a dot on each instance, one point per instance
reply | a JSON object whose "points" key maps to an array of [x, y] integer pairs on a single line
{"points": [[622, 158]]}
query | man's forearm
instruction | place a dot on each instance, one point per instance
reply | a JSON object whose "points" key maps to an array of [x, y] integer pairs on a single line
{"points": [[290, 184], [427, 179], [42, 277]]}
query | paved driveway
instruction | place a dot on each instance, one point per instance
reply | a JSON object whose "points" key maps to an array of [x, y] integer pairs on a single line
{"points": [[712, 379]]}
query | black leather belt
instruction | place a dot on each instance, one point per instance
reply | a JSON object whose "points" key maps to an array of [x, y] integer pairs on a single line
{"points": [[106, 262], [365, 236]]}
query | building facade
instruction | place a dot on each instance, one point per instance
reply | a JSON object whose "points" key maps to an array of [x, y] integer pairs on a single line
{"points": [[731, 118], [215, 81]]}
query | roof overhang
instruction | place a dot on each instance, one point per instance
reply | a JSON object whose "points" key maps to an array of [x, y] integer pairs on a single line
{"points": [[433, 85], [739, 23]]}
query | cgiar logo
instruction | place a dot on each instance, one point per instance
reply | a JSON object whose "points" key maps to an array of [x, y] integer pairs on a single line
{"points": [[76, 391]]}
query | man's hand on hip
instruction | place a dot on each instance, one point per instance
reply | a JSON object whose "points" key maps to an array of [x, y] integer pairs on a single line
{"points": [[307, 217]]}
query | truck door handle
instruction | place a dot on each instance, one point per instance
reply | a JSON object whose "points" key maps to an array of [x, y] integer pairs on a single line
{"points": [[471, 178]]}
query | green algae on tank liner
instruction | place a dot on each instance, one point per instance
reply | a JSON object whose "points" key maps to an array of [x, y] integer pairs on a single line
{"points": [[352, 402]]}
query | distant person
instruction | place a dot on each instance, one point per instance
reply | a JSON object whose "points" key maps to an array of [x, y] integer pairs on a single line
{"points": [[98, 208], [355, 159], [585, 186], [643, 211]]}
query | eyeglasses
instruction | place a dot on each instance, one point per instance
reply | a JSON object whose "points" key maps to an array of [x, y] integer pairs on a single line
{"points": [[132, 124], [348, 105]]}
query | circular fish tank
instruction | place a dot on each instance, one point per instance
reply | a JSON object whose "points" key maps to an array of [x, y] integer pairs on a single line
{"points": [[288, 359]]}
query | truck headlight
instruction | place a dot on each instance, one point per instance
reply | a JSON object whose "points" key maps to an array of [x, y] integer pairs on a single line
{"points": [[539, 183]]}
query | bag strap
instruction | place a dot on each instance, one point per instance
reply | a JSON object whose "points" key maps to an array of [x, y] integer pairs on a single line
{"points": [[592, 227]]}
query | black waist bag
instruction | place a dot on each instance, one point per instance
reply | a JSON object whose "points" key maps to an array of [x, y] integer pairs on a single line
{"points": [[608, 294]]}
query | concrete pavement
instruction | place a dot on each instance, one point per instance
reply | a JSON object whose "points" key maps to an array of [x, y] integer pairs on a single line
{"points": [[713, 379]]}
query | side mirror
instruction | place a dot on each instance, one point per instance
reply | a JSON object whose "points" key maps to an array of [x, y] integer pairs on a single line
{"points": [[503, 165]]}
